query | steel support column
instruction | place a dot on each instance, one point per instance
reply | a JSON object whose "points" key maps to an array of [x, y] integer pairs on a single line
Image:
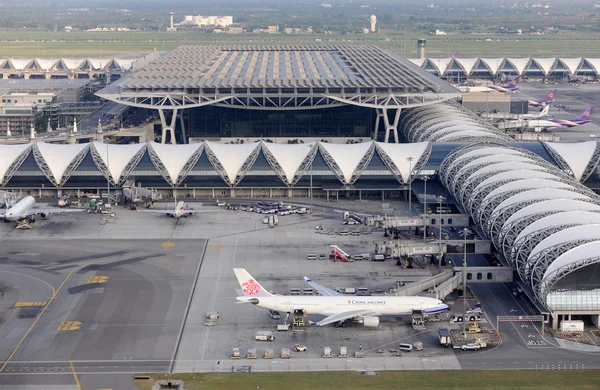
{"points": [[182, 123], [170, 127], [379, 112], [393, 126]]}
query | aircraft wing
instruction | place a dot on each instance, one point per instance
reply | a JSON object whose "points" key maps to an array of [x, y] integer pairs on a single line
{"points": [[322, 289], [53, 210], [344, 316], [163, 212]]}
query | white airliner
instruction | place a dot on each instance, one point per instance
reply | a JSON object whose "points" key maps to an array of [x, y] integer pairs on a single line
{"points": [[337, 308], [23, 212], [180, 210]]}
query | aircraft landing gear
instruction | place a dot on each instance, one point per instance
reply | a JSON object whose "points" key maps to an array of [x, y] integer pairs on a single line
{"points": [[340, 324]]}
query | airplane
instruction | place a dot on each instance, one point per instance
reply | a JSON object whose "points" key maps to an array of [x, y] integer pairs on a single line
{"points": [[23, 212], [510, 87], [551, 123], [541, 114], [179, 211], [545, 101], [336, 307]]}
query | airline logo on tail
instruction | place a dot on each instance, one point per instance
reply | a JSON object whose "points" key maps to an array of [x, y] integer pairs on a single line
{"points": [[513, 83], [587, 114], [552, 95], [250, 287]]}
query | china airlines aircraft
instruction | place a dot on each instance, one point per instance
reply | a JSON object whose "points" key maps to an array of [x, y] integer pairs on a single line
{"points": [[337, 308]]}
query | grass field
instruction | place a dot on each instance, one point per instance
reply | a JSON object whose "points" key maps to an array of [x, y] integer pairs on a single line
{"points": [[349, 380], [102, 44]]}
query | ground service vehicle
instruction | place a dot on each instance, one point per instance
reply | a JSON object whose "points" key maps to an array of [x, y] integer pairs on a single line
{"points": [[264, 336], [444, 337], [274, 314]]}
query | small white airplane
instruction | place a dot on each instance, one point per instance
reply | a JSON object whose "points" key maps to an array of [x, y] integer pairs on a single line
{"points": [[180, 210], [541, 114], [336, 307], [23, 212]]}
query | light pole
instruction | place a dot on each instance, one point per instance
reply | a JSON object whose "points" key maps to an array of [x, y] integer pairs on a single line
{"points": [[440, 199], [409, 159], [464, 268], [425, 219]]}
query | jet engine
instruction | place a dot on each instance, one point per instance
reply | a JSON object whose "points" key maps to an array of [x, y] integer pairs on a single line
{"points": [[43, 215], [370, 322]]}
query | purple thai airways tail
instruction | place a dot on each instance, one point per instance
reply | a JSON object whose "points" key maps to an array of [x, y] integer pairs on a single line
{"points": [[586, 115], [455, 55], [513, 83], [550, 97]]}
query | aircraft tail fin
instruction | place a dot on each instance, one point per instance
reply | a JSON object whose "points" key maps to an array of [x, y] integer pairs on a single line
{"points": [[586, 115], [250, 287], [550, 97], [514, 83], [544, 111]]}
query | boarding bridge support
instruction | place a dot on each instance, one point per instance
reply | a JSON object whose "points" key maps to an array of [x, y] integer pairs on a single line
{"points": [[424, 284], [444, 289]]}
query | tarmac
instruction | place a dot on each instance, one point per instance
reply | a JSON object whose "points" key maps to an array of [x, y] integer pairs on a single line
{"points": [[101, 302]]}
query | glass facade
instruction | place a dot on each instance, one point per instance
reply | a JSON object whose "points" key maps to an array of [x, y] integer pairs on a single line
{"points": [[346, 121]]}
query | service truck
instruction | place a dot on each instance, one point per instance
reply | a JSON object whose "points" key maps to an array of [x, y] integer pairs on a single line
{"points": [[444, 337], [264, 335]]}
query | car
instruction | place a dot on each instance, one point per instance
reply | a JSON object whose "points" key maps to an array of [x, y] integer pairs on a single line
{"points": [[471, 347], [274, 314]]}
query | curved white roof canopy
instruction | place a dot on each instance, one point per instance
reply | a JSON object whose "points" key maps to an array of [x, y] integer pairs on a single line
{"points": [[576, 255], [539, 194], [583, 232], [560, 219], [519, 63], [495, 159], [545, 63], [517, 174], [289, 156], [399, 153], [467, 64], [58, 157], [572, 64], [441, 64], [174, 157], [347, 156], [469, 133], [524, 185], [493, 63], [232, 156], [439, 133], [116, 157], [577, 155], [551, 205], [595, 62], [8, 156]]}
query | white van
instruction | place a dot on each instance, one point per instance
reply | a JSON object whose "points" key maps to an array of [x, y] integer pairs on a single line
{"points": [[405, 347]]}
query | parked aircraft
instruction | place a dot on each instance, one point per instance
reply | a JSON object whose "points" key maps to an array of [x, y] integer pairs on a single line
{"points": [[551, 123], [23, 212], [336, 307], [181, 210], [510, 87], [545, 101]]}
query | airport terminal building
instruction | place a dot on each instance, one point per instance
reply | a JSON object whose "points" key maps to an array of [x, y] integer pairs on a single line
{"points": [[533, 200]]}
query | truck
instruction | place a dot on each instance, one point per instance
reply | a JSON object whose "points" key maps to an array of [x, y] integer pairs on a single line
{"points": [[264, 335], [571, 326], [444, 337], [64, 201]]}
